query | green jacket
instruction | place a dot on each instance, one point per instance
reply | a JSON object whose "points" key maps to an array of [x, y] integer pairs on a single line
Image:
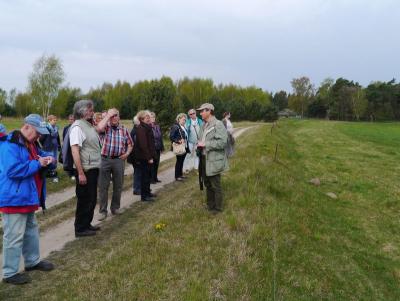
{"points": [[216, 138]]}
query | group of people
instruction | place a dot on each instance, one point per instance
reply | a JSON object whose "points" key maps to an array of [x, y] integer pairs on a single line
{"points": [[99, 148]]}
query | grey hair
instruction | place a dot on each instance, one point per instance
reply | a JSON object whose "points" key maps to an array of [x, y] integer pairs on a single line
{"points": [[180, 115], [136, 120], [142, 114], [81, 107]]}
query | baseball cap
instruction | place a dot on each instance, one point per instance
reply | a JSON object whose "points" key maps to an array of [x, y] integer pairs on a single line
{"points": [[207, 106], [37, 122]]}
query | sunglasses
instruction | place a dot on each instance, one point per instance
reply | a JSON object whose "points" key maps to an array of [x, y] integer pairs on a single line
{"points": [[192, 113]]}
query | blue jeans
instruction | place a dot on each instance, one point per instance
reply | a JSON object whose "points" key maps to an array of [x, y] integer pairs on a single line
{"points": [[21, 236]]}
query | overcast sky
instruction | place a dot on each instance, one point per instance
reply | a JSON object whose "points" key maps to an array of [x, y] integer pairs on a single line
{"points": [[265, 43]]}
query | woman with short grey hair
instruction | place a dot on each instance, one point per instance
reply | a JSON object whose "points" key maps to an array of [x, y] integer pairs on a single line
{"points": [[178, 134]]}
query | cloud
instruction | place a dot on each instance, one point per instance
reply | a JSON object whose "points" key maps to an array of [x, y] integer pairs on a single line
{"points": [[263, 42]]}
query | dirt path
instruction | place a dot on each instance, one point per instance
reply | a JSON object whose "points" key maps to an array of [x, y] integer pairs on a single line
{"points": [[55, 238]]}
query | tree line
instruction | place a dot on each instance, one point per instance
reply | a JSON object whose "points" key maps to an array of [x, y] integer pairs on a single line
{"points": [[339, 99], [342, 99], [46, 95]]}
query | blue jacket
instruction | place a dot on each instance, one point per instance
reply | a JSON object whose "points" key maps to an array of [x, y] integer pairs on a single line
{"points": [[51, 142], [17, 184], [176, 134], [189, 123]]}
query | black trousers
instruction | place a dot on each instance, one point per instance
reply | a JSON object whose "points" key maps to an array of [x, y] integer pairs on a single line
{"points": [[214, 189], [154, 169], [179, 166], [87, 197], [145, 171]]}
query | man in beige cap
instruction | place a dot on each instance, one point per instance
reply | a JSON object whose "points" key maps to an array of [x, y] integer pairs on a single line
{"points": [[212, 143]]}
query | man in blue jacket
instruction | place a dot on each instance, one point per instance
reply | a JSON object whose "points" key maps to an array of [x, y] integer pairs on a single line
{"points": [[22, 191]]}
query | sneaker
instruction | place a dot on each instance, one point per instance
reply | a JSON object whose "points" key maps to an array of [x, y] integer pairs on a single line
{"points": [[85, 233], [44, 266], [102, 216], [55, 180], [137, 193], [17, 279], [94, 228], [158, 181], [116, 212], [73, 178]]}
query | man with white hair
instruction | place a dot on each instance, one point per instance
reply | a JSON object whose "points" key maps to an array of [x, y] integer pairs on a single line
{"points": [[117, 145], [85, 149], [22, 190]]}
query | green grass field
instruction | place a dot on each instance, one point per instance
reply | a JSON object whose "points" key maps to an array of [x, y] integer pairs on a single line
{"points": [[279, 237]]}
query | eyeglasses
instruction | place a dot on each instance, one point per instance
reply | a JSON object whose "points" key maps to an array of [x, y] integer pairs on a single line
{"points": [[192, 113]]}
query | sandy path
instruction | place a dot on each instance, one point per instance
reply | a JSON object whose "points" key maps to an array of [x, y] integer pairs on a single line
{"points": [[54, 239]]}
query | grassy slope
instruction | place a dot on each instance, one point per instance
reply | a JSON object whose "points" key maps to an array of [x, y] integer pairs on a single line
{"points": [[279, 237]]}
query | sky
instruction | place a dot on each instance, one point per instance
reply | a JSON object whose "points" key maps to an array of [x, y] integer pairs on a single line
{"points": [[265, 43]]}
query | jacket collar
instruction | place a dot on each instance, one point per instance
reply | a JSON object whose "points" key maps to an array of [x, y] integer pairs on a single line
{"points": [[211, 122], [17, 138]]}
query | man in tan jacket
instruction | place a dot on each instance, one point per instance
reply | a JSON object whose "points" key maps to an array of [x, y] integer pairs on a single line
{"points": [[212, 143]]}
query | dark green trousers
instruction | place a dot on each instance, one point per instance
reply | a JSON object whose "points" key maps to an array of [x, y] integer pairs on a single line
{"points": [[214, 190]]}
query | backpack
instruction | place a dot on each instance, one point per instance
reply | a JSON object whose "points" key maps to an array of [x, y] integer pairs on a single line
{"points": [[131, 157], [67, 159]]}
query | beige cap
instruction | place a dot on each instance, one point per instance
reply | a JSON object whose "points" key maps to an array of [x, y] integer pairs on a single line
{"points": [[207, 106]]}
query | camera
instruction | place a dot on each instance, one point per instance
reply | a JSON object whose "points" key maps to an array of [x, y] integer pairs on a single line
{"points": [[199, 150]]}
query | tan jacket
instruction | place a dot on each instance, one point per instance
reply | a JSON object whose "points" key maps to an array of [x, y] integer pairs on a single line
{"points": [[215, 137]]}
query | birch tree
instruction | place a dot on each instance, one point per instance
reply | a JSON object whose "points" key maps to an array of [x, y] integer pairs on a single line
{"points": [[45, 82]]}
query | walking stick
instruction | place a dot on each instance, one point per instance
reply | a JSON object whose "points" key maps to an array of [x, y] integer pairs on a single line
{"points": [[201, 178]]}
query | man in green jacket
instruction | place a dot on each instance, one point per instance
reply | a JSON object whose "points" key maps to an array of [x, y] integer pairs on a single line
{"points": [[212, 144]]}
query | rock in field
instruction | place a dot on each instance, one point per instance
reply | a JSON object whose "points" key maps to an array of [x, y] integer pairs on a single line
{"points": [[332, 195], [315, 181]]}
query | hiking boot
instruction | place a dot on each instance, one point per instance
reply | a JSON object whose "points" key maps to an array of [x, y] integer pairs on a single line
{"points": [[137, 192], [43, 265], [94, 228], [17, 279], [103, 216], [85, 233]]}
